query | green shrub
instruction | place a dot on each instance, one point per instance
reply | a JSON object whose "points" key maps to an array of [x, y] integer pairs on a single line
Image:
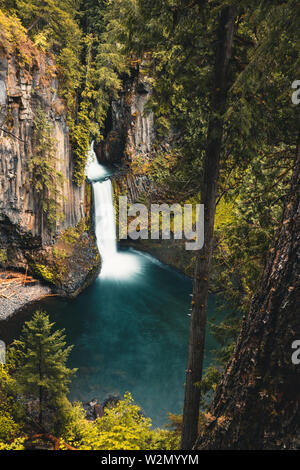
{"points": [[3, 256]]}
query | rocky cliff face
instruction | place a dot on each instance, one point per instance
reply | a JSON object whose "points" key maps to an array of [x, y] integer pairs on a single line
{"points": [[130, 137], [129, 126], [129, 134], [25, 238], [21, 93]]}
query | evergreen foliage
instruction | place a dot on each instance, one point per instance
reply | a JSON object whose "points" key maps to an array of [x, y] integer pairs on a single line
{"points": [[9, 428], [173, 42], [123, 427], [39, 358], [37, 371], [44, 176], [89, 64]]}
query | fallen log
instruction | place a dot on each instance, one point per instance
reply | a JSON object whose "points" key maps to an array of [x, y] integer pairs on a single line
{"points": [[57, 442]]}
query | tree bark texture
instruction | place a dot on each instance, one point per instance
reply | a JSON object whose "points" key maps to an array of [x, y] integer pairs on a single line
{"points": [[257, 404]]}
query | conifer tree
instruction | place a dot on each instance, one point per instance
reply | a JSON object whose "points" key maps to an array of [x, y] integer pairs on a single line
{"points": [[40, 363]]}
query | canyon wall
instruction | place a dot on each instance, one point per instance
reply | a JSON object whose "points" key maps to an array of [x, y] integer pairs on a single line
{"points": [[21, 93], [26, 241], [131, 138], [129, 135]]}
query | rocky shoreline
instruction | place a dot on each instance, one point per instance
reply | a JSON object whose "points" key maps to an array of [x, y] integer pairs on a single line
{"points": [[17, 296]]}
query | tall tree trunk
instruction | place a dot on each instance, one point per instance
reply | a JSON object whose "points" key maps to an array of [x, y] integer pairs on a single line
{"points": [[40, 405], [208, 195], [257, 405]]}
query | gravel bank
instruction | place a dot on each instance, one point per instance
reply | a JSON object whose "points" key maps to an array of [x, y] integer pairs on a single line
{"points": [[19, 297]]}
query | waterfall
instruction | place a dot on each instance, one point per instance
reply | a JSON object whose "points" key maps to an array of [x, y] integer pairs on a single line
{"points": [[115, 265], [93, 170], [105, 219]]}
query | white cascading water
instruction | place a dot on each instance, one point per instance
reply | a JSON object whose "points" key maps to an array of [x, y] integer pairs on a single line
{"points": [[93, 170], [105, 219], [115, 265]]}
